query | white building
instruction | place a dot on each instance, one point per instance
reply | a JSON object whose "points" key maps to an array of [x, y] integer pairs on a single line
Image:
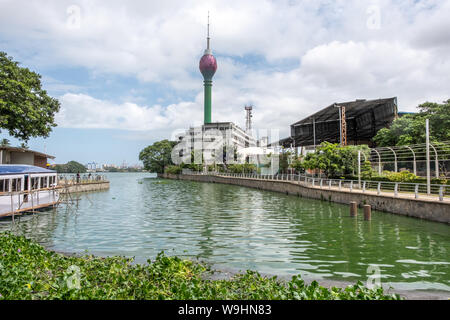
{"points": [[211, 139]]}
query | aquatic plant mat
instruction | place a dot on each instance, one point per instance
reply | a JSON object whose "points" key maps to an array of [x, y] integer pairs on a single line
{"points": [[29, 271]]}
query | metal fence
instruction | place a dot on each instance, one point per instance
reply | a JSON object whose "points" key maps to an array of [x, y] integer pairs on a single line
{"points": [[397, 189], [71, 179]]}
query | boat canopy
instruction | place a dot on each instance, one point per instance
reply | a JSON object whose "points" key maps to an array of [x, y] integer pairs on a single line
{"points": [[22, 169]]}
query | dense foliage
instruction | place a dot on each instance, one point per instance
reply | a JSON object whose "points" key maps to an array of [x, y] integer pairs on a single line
{"points": [[70, 167], [157, 156], [25, 108], [28, 271], [410, 129], [336, 161], [242, 168], [173, 170], [283, 161]]}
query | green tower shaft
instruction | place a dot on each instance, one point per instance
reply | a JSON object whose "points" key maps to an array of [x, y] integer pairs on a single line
{"points": [[208, 90]]}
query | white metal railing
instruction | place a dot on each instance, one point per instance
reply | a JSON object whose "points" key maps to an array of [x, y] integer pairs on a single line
{"points": [[17, 202], [72, 179], [397, 189]]}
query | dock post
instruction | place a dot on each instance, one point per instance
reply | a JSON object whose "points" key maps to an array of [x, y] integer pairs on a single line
{"points": [[32, 202], [12, 207], [367, 212], [353, 209]]}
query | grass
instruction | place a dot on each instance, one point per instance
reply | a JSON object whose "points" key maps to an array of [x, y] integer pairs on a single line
{"points": [[30, 272]]}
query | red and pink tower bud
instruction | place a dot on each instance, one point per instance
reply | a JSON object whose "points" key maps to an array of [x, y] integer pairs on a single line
{"points": [[208, 67]]}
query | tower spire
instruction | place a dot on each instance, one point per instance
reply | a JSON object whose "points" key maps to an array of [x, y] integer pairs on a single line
{"points": [[208, 48], [208, 67]]}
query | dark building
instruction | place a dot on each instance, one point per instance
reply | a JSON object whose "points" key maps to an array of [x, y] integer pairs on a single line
{"points": [[363, 119]]}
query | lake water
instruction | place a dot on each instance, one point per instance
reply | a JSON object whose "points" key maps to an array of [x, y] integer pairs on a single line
{"points": [[237, 228]]}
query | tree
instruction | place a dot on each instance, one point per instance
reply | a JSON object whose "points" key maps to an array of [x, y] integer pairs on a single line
{"points": [[284, 161], [70, 167], [157, 156], [410, 129], [25, 108], [407, 130], [336, 161]]}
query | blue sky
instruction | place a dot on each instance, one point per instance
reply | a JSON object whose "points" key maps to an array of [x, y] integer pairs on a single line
{"points": [[126, 74]]}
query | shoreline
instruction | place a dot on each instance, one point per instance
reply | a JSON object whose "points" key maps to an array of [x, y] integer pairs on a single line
{"points": [[423, 208]]}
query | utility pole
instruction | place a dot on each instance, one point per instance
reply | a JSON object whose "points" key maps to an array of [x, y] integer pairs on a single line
{"points": [[342, 125], [248, 119], [359, 168], [427, 129], [314, 132]]}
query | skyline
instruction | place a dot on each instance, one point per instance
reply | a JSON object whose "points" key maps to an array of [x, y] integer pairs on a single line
{"points": [[127, 74]]}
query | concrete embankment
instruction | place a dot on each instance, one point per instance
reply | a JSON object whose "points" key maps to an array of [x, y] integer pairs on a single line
{"points": [[418, 208], [85, 187]]}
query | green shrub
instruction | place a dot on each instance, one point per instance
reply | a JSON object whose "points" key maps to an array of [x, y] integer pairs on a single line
{"points": [[242, 168], [404, 176], [29, 272], [173, 170]]}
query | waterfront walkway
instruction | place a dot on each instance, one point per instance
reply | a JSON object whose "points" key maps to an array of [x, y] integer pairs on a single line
{"points": [[398, 198], [324, 184]]}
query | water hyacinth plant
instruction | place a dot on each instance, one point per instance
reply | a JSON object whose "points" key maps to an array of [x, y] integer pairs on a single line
{"points": [[29, 271]]}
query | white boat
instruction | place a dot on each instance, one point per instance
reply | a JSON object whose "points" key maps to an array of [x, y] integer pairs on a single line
{"points": [[25, 188]]}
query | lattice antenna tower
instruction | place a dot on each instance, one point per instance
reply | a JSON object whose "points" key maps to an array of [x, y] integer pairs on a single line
{"points": [[248, 118]]}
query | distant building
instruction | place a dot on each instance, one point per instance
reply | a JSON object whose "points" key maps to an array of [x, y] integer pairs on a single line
{"points": [[12, 155]]}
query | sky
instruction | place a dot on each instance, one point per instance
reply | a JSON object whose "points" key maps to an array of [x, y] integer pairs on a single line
{"points": [[126, 72]]}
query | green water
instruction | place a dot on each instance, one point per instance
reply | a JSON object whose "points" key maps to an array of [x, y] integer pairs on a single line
{"points": [[236, 228]]}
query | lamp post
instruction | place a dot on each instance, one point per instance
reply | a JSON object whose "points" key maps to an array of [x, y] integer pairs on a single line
{"points": [[427, 129]]}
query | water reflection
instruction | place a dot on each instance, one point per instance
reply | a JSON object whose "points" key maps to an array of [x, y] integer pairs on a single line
{"points": [[239, 228]]}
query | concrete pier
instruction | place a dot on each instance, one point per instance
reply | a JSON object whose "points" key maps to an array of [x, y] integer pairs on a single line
{"points": [[418, 208], [367, 212], [85, 187], [353, 209]]}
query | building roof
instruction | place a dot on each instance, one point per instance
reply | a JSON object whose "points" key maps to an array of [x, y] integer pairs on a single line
{"points": [[363, 117], [22, 168], [15, 149], [353, 110]]}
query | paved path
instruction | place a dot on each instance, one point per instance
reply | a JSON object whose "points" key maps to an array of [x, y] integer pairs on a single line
{"points": [[401, 195]]}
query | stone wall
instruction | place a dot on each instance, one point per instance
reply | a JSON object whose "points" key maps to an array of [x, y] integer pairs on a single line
{"points": [[417, 208], [86, 187]]}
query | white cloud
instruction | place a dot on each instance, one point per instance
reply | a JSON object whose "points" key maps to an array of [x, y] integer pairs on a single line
{"points": [[339, 58], [84, 111]]}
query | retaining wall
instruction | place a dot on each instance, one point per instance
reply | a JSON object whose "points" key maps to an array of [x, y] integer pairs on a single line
{"points": [[417, 208], [86, 187]]}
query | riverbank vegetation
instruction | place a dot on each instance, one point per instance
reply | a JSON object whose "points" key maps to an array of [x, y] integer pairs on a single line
{"points": [[410, 128], [336, 162], [28, 271], [157, 156], [69, 167]]}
